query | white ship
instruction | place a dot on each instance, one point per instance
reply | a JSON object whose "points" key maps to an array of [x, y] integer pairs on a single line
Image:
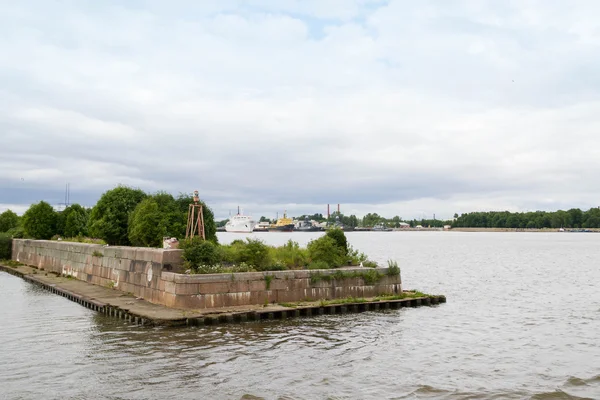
{"points": [[240, 223]]}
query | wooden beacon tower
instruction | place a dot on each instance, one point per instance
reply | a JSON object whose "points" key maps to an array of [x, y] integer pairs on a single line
{"points": [[195, 221]]}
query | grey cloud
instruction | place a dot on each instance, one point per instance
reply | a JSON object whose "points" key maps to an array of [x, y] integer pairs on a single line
{"points": [[398, 107]]}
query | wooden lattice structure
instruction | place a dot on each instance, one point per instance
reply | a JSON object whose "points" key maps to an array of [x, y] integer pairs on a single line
{"points": [[195, 221]]}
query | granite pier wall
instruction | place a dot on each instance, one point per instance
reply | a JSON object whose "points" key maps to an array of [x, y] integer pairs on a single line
{"points": [[150, 274]]}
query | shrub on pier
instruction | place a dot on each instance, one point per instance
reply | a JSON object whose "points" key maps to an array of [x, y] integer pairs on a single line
{"points": [[340, 239], [326, 250], [291, 255], [200, 255]]}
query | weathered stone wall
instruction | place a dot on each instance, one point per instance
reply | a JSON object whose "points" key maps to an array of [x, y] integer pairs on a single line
{"points": [[148, 273], [135, 270], [227, 290]]}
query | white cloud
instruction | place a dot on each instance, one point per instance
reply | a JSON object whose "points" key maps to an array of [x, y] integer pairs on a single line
{"points": [[402, 107]]}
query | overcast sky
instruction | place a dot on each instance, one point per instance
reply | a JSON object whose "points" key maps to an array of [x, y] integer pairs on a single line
{"points": [[405, 108]]}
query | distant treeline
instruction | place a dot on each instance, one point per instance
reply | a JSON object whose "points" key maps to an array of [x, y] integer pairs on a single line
{"points": [[122, 216], [573, 218]]}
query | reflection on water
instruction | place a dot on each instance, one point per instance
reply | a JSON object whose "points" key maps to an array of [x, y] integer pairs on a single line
{"points": [[522, 321]]}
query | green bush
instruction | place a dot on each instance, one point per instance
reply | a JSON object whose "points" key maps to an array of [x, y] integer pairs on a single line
{"points": [[5, 246], [257, 254], [318, 265], [326, 249], [291, 255], [198, 253], [355, 256], [340, 239], [16, 233]]}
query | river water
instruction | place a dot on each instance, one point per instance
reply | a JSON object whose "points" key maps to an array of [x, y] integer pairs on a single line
{"points": [[522, 321]]}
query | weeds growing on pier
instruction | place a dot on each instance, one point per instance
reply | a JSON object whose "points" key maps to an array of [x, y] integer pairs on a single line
{"points": [[268, 279], [370, 277], [10, 263], [393, 268]]}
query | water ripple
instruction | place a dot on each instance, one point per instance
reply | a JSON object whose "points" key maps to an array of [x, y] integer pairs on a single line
{"points": [[522, 322]]}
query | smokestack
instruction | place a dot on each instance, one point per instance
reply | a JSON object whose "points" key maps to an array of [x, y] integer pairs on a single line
{"points": [[338, 208], [327, 211]]}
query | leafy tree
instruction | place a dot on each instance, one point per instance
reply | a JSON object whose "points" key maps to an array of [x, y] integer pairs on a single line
{"points": [[371, 219], [72, 221], [146, 225], [110, 216], [8, 220], [39, 221]]}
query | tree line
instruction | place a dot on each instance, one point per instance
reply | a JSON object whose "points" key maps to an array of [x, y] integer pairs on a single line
{"points": [[122, 216], [573, 219]]}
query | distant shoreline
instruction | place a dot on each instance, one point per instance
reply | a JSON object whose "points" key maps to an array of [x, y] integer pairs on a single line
{"points": [[573, 230]]}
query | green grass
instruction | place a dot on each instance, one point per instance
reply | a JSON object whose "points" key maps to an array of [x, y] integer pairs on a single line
{"points": [[97, 253], [11, 263], [347, 300], [354, 300], [404, 295], [290, 305]]}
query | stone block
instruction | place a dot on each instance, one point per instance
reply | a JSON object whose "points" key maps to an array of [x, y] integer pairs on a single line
{"points": [[140, 266], [187, 288], [212, 278], [255, 286], [167, 276], [298, 283], [189, 302], [138, 291], [302, 274], [215, 287], [262, 297], [279, 284], [216, 300], [237, 299], [184, 278], [170, 300], [289, 296], [239, 286], [173, 257], [125, 252], [170, 286]]}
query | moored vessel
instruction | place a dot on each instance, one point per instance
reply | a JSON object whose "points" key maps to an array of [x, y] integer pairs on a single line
{"points": [[240, 223], [284, 224]]}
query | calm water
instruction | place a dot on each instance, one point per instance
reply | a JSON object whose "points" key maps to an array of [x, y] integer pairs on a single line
{"points": [[522, 321]]}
